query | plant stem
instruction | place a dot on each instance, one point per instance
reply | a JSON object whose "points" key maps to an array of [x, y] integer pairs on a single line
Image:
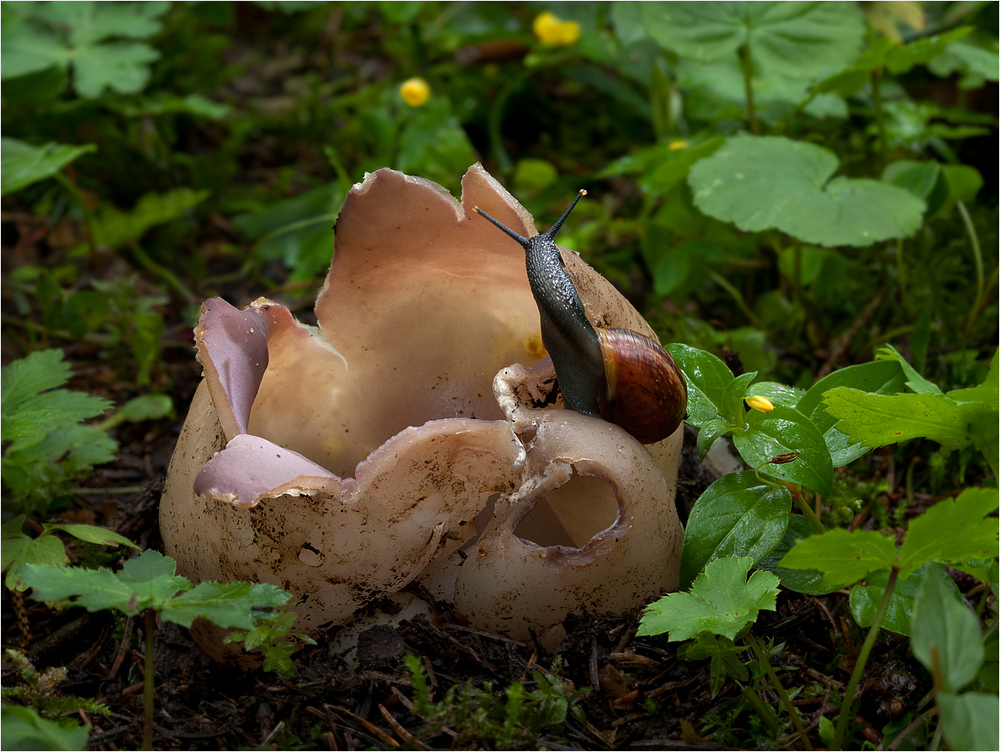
{"points": [[859, 665], [977, 254], [879, 118], [807, 510], [737, 296], [747, 66], [782, 694], [765, 713], [147, 719]]}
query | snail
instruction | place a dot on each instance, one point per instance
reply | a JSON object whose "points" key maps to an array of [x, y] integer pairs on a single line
{"points": [[618, 375]]}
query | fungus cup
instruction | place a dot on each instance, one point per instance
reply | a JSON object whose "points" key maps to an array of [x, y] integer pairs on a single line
{"points": [[417, 435]]}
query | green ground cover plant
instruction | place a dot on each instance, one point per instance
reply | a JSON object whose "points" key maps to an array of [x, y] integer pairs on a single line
{"points": [[800, 197]]}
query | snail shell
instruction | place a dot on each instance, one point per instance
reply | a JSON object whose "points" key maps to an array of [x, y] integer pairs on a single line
{"points": [[645, 392]]}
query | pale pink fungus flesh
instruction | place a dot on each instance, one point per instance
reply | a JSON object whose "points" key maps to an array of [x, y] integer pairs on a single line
{"points": [[409, 437]]}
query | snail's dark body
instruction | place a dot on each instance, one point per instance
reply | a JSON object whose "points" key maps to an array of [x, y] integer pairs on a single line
{"points": [[618, 375]]}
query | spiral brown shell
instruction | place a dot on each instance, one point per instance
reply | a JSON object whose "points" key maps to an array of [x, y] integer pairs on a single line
{"points": [[646, 394]]}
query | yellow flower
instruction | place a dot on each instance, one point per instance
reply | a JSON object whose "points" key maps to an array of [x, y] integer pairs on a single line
{"points": [[759, 402], [553, 31], [415, 92], [675, 145]]}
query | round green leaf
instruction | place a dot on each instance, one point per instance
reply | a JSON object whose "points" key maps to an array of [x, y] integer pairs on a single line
{"points": [[760, 183], [794, 38], [781, 433], [738, 515]]}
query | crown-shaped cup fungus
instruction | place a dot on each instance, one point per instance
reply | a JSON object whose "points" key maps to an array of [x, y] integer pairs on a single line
{"points": [[415, 434]]}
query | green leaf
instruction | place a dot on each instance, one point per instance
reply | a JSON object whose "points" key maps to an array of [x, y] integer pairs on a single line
{"points": [[793, 38], [722, 601], [22, 164], [760, 183], [87, 36], [93, 534], [866, 599], [45, 549], [786, 432], [295, 230], [731, 406], [151, 576], [843, 557], [23, 728], [724, 656], [808, 581], [914, 380], [114, 228], [709, 432], [30, 406], [36, 472], [875, 420], [970, 721], [139, 409], [94, 589], [224, 604], [737, 515], [673, 165], [707, 378], [879, 377], [946, 635], [952, 530]]}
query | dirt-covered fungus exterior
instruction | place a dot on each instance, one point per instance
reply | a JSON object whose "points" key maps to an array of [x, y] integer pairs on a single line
{"points": [[415, 434]]}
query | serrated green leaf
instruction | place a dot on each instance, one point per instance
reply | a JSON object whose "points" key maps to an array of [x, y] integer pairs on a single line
{"points": [[93, 534], [38, 471], [843, 557], [94, 589], [722, 601], [878, 377], [866, 599], [737, 515], [151, 577], [706, 377], [786, 431], [771, 182], [877, 420], [30, 406], [970, 720], [22, 164], [224, 604], [794, 38], [946, 635], [952, 530]]}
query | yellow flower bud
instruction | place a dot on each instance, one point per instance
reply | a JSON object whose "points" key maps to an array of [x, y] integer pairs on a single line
{"points": [[415, 92], [759, 402], [553, 31], [676, 145]]}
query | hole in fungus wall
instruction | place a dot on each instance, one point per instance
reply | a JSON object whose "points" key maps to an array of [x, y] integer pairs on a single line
{"points": [[571, 514]]}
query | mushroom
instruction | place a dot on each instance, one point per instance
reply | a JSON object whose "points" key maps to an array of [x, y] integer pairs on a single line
{"points": [[417, 434]]}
